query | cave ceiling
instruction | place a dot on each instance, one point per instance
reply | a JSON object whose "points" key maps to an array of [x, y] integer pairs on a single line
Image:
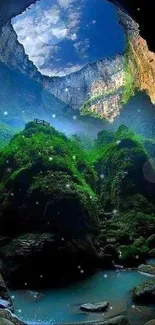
{"points": [[142, 11]]}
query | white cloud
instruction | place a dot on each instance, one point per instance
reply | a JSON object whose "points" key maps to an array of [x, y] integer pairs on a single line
{"points": [[59, 32], [61, 71], [73, 37], [65, 3], [41, 30], [82, 47]]}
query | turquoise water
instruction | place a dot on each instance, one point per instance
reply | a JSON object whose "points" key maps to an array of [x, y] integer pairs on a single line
{"points": [[61, 305]]}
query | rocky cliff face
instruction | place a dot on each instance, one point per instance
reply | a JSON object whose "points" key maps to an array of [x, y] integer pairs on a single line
{"points": [[100, 83], [95, 89], [12, 53], [141, 61]]}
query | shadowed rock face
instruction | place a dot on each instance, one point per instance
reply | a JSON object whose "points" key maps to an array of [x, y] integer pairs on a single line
{"points": [[12, 8], [12, 53], [143, 13], [141, 61]]}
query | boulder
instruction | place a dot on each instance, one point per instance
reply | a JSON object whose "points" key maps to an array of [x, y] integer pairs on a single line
{"points": [[144, 293], [120, 320], [152, 252], [111, 250], [4, 321], [96, 307], [5, 300], [26, 257], [151, 241], [151, 322], [150, 269], [4, 303], [9, 317]]}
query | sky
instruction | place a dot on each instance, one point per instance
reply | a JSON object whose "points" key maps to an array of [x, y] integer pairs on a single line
{"points": [[62, 36]]}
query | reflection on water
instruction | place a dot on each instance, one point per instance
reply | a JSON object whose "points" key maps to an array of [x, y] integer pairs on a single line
{"points": [[62, 305]]}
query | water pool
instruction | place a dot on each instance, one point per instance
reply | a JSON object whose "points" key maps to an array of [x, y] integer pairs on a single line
{"points": [[61, 305]]}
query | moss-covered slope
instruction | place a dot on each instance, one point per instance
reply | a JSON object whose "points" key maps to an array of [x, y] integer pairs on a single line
{"points": [[80, 208], [126, 187], [47, 186]]}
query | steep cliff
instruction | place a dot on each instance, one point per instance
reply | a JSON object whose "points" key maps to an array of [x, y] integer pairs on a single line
{"points": [[12, 53], [140, 61], [96, 89]]}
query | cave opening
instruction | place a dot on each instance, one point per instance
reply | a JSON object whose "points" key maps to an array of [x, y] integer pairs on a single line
{"points": [[62, 36]]}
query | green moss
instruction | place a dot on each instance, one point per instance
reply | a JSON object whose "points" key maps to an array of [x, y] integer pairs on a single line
{"points": [[129, 88], [42, 165], [132, 255], [47, 166], [6, 133], [86, 107]]}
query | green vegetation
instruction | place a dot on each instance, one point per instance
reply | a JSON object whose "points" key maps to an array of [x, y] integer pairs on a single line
{"points": [[129, 88], [132, 255], [51, 183], [126, 92], [6, 133], [86, 107], [49, 169]]}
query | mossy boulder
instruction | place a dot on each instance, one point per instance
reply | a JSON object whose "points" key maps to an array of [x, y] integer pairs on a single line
{"points": [[8, 318], [144, 293], [139, 242], [132, 255], [150, 269], [150, 322], [4, 321], [41, 182], [47, 186], [41, 259]]}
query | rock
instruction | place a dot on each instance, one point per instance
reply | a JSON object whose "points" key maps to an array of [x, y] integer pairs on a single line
{"points": [[96, 307], [4, 321], [151, 241], [150, 269], [4, 303], [151, 322], [132, 256], [111, 250], [9, 316], [5, 300], [118, 267], [120, 320], [144, 293], [105, 261], [152, 252], [34, 295]]}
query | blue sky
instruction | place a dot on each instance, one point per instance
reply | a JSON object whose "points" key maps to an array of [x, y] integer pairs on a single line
{"points": [[61, 36]]}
